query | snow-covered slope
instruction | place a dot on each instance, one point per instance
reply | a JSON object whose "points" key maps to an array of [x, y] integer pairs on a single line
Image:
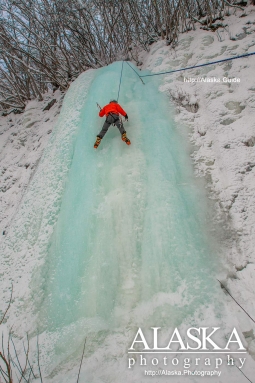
{"points": [[23, 138], [220, 117], [220, 121], [111, 240]]}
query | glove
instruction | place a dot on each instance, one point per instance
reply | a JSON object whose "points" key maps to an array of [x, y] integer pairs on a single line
{"points": [[126, 117]]}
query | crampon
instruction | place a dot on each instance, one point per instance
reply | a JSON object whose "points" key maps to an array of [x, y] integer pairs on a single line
{"points": [[125, 139], [97, 143]]}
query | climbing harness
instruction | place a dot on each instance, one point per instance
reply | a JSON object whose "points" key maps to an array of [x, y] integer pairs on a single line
{"points": [[114, 118]]}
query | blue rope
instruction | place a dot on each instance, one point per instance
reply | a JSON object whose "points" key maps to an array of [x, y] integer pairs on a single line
{"points": [[120, 80], [134, 71], [198, 66]]}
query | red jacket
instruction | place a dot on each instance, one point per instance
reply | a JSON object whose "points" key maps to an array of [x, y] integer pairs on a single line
{"points": [[113, 107]]}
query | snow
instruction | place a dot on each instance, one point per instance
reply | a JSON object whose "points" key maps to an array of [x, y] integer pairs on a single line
{"points": [[221, 121], [39, 157], [26, 239], [23, 140]]}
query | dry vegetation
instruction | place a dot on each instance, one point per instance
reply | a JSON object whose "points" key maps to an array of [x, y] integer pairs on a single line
{"points": [[16, 367], [47, 43]]}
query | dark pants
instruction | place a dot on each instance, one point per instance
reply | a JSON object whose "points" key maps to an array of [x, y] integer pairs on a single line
{"points": [[111, 119]]}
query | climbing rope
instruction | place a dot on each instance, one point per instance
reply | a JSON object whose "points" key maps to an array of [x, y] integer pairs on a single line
{"points": [[81, 360], [195, 66], [243, 373], [120, 80], [179, 70], [135, 72], [224, 287]]}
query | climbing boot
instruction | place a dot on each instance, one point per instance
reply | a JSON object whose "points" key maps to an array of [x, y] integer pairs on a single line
{"points": [[125, 139], [97, 143]]}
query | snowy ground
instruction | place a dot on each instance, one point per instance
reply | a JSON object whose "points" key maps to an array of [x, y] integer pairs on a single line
{"points": [[23, 138], [221, 121]]}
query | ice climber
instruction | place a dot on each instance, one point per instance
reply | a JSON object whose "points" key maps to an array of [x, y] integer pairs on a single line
{"points": [[112, 112]]}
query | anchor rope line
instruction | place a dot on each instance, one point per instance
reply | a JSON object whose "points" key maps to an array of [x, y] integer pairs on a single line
{"points": [[135, 71], [81, 360], [182, 69], [194, 66], [120, 80], [223, 287], [243, 374]]}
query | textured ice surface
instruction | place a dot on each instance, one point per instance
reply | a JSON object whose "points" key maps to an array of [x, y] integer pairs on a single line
{"points": [[25, 246], [129, 248]]}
